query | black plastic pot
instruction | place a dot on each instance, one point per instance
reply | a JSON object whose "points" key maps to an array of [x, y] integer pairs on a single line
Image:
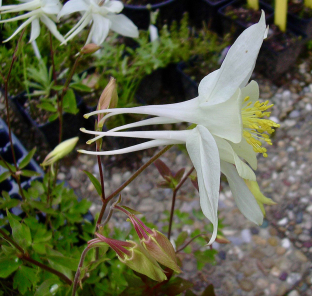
{"points": [[274, 63], [9, 185], [169, 10], [237, 26], [50, 130], [304, 25], [206, 12], [190, 86]]}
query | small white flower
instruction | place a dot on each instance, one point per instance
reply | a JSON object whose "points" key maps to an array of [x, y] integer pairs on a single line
{"points": [[43, 10], [103, 15], [229, 127]]}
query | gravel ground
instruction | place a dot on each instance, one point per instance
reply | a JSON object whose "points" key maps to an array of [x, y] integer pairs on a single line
{"points": [[274, 259]]}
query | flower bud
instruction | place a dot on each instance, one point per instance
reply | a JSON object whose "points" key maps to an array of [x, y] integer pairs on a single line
{"points": [[60, 151], [108, 99], [90, 48], [134, 256], [157, 245], [260, 198]]}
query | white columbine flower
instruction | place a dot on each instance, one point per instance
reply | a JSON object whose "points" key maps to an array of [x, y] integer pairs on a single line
{"points": [[103, 15], [43, 10], [229, 127]]}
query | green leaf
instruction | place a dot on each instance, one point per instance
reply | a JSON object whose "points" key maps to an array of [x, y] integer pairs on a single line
{"points": [[57, 87], [209, 291], [204, 257], [20, 232], [69, 102], [28, 173], [46, 287], [24, 279], [53, 117], [95, 182], [177, 286], [4, 176], [26, 160], [70, 263], [80, 87], [8, 266], [6, 165], [181, 239], [47, 106], [43, 207]]}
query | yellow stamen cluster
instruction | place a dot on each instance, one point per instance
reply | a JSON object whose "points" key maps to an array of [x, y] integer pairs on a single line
{"points": [[256, 129]]}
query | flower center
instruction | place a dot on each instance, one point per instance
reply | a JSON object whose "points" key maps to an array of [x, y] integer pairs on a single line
{"points": [[257, 129]]}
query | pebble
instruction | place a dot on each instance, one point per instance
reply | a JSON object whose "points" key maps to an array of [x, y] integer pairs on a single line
{"points": [[294, 114], [262, 283], [275, 271], [259, 240], [273, 241], [293, 278], [293, 293], [246, 285], [283, 276], [61, 176], [286, 243], [280, 250], [299, 217], [282, 222], [301, 256], [246, 235]]}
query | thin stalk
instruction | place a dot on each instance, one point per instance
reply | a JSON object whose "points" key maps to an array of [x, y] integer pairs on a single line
{"points": [[76, 279], [24, 256], [174, 194], [136, 174], [6, 90], [182, 248], [98, 148]]}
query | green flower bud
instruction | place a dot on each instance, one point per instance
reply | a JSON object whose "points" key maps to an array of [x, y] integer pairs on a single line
{"points": [[60, 151], [134, 256]]}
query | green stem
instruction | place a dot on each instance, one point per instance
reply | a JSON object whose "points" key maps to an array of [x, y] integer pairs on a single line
{"points": [[182, 248], [136, 174], [174, 199]]}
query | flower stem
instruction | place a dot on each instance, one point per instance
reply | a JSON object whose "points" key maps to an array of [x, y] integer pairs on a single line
{"points": [[6, 91], [174, 193], [136, 174], [182, 248], [24, 256]]}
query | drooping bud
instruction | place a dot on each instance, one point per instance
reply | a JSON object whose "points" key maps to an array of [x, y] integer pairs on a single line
{"points": [[60, 151], [260, 198], [108, 99], [90, 48], [134, 256], [156, 244]]}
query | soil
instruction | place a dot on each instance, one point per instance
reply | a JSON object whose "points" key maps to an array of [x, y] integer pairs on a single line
{"points": [[142, 2], [243, 14], [278, 40]]}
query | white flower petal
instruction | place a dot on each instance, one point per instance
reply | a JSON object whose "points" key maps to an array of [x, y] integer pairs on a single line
{"points": [[228, 154], [113, 6], [176, 136], [206, 85], [245, 151], [142, 146], [150, 121], [52, 7], [123, 26], [204, 154], [73, 6], [252, 91], [238, 63], [35, 30], [21, 17], [52, 27], [101, 28], [21, 27], [223, 119], [78, 27], [21, 7], [244, 199]]}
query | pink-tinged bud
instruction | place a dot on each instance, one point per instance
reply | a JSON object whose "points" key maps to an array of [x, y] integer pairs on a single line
{"points": [[108, 99], [157, 245], [134, 256], [90, 48]]}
